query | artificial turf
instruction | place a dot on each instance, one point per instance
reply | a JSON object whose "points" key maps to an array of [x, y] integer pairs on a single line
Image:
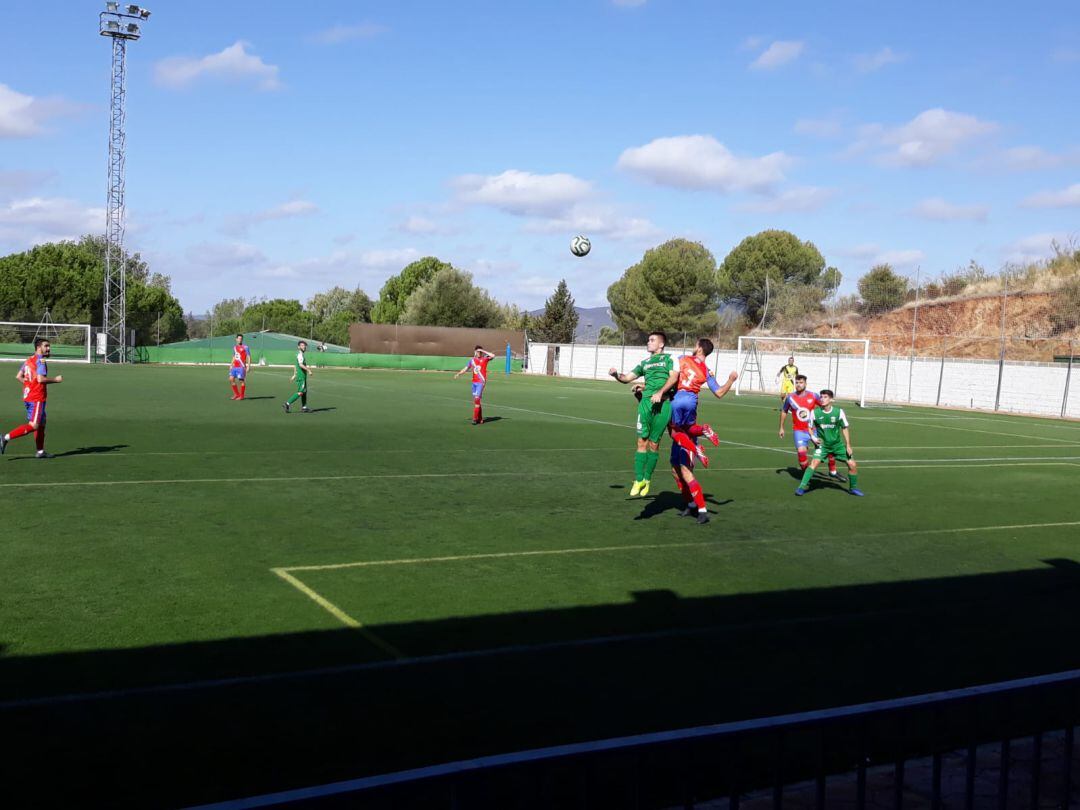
{"points": [[469, 590]]}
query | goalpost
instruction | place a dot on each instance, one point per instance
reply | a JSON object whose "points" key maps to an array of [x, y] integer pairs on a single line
{"points": [[841, 364], [70, 341]]}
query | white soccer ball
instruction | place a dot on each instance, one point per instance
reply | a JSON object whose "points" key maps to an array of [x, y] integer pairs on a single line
{"points": [[580, 245]]}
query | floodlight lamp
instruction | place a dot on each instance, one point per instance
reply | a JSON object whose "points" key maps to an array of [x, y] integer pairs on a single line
{"points": [[144, 13], [112, 7], [133, 9], [112, 25], [132, 28]]}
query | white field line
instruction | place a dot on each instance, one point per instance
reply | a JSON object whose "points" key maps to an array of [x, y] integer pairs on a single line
{"points": [[927, 423], [880, 464]]}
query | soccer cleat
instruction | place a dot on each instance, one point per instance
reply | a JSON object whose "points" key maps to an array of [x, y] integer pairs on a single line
{"points": [[835, 476], [285, 406], [687, 511], [3, 443], [800, 491], [710, 434], [634, 490], [43, 454], [644, 489], [703, 517], [305, 409], [858, 492], [700, 456]]}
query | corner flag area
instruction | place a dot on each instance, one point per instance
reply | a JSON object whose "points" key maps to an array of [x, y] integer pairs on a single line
{"points": [[221, 599]]}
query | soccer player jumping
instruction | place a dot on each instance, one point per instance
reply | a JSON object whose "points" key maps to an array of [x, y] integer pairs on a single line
{"points": [[478, 364], [34, 376], [241, 365], [654, 410], [832, 437]]}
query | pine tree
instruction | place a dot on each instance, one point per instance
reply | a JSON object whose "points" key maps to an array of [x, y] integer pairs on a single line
{"points": [[560, 317]]}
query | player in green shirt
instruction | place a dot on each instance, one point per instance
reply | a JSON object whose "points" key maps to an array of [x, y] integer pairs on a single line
{"points": [[654, 410], [300, 373], [829, 431]]}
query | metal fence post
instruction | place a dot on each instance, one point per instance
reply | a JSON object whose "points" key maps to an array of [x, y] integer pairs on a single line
{"points": [[573, 340], [596, 359], [1068, 379], [622, 357], [1001, 360], [914, 323], [941, 374], [885, 388]]}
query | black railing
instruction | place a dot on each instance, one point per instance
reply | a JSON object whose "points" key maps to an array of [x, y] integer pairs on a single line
{"points": [[731, 760]]}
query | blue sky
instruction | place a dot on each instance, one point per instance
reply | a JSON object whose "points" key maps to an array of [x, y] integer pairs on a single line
{"points": [[278, 149]]}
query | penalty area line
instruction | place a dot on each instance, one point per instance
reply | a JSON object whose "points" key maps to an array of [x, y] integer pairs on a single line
{"points": [[338, 613]]}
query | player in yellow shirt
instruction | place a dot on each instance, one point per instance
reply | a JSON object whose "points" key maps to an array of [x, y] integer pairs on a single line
{"points": [[786, 377]]}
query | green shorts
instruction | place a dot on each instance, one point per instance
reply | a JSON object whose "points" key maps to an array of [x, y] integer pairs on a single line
{"points": [[831, 450], [301, 384], [652, 420]]}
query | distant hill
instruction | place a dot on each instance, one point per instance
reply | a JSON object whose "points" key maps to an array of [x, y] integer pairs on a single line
{"points": [[599, 317]]}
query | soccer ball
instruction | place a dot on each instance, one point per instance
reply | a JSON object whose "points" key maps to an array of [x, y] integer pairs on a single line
{"points": [[580, 245]]}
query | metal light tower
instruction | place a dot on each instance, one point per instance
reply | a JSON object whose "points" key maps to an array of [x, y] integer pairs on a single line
{"points": [[120, 23]]}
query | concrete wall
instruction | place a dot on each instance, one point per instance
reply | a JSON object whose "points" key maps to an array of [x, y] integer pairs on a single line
{"points": [[1029, 388]]}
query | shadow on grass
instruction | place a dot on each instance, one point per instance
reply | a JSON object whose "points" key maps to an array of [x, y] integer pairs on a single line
{"points": [[320, 410], [81, 451], [667, 501], [178, 724], [252, 399]]}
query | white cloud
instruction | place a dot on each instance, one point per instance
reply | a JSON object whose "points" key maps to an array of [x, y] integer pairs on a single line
{"points": [[337, 34], [422, 226], [819, 127], [779, 53], [23, 116], [33, 220], [751, 43], [225, 255], [523, 193], [923, 141], [869, 62], [702, 162], [347, 266], [19, 181], [239, 224], [805, 199], [234, 63], [935, 208], [1034, 247], [1033, 158], [1066, 198], [871, 254], [597, 220]]}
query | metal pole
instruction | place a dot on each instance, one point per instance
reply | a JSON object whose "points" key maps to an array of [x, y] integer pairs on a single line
{"points": [[738, 365], [1001, 361], [622, 357], [573, 339], [941, 374], [865, 372], [1068, 378], [885, 389], [596, 360], [914, 321]]}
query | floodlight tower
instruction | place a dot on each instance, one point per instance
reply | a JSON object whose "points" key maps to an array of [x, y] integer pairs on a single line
{"points": [[121, 24]]}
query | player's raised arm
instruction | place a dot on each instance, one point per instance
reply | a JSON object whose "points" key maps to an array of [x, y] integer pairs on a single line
{"points": [[720, 390], [628, 377], [468, 366]]}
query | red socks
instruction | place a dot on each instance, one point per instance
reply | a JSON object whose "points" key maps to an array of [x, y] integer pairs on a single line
{"points": [[684, 441], [802, 458], [832, 465], [477, 410], [698, 495], [243, 390], [39, 437], [235, 391], [21, 430], [696, 430]]}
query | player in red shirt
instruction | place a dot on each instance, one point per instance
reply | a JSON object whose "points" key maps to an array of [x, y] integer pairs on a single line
{"points": [[34, 376], [693, 373], [800, 405], [478, 365], [241, 365]]}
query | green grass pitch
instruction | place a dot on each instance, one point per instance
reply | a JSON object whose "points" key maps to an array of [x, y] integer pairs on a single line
{"points": [[204, 599]]}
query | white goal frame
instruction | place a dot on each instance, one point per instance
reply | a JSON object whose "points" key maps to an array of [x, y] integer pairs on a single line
{"points": [[864, 342], [50, 326]]}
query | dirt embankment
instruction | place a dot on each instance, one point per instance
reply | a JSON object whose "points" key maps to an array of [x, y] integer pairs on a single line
{"points": [[964, 327]]}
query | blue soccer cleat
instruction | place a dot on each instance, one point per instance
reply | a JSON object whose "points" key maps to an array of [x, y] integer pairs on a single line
{"points": [[800, 491], [858, 492]]}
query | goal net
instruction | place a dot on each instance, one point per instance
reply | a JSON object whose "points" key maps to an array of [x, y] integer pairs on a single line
{"points": [[69, 341], [839, 364]]}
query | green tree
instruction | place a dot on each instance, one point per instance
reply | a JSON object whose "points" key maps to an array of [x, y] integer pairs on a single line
{"points": [[882, 289], [450, 298], [559, 320], [673, 288], [778, 256], [137, 269], [336, 310], [397, 289], [277, 315]]}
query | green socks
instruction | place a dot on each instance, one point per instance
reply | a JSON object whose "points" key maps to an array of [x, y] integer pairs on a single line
{"points": [[639, 466], [806, 478], [293, 399], [651, 460], [854, 479]]}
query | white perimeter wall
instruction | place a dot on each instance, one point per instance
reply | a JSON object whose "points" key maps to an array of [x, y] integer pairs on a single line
{"points": [[1033, 388]]}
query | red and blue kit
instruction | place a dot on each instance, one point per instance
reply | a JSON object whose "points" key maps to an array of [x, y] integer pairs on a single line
{"points": [[693, 373], [35, 393], [241, 359], [478, 366], [801, 407]]}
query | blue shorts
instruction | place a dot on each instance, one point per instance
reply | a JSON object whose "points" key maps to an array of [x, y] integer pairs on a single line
{"points": [[684, 408], [801, 437], [477, 390], [237, 371], [679, 456], [31, 415]]}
